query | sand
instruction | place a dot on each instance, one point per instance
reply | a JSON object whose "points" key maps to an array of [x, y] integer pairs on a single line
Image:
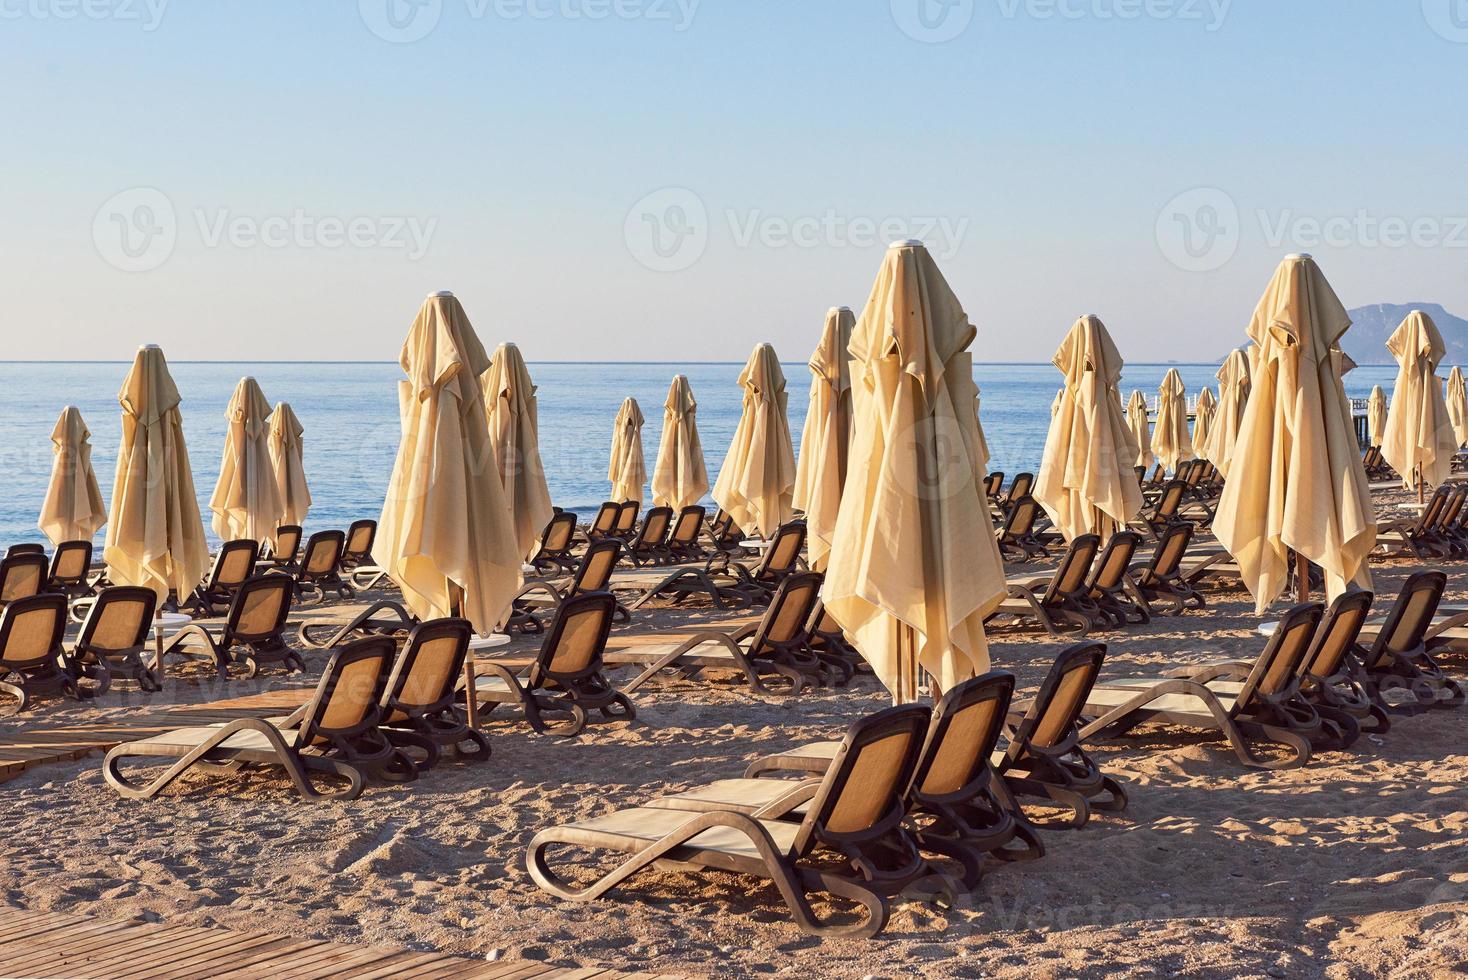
{"points": [[1352, 866]]}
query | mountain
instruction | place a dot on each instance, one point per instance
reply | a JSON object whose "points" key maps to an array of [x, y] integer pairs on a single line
{"points": [[1372, 325]]}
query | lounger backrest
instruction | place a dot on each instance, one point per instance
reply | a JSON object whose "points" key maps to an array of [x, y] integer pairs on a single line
{"points": [[427, 671], [71, 563], [259, 608], [1021, 487], [361, 535], [965, 728], [594, 573], [1021, 518], [22, 575], [1192, 475], [234, 565], [575, 642], [1336, 635], [1074, 568], [654, 529], [346, 699], [627, 516], [784, 551], [1407, 624], [323, 554], [1171, 499], [1051, 719], [558, 534], [119, 620], [993, 485], [868, 776], [789, 611], [1452, 509], [31, 629], [821, 621], [1115, 560], [689, 525], [724, 530], [1168, 557], [605, 520], [1278, 666], [1434, 510], [25, 548], [287, 541]]}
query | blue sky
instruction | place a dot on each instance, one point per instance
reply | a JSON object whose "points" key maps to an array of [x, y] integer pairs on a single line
{"points": [[682, 180]]}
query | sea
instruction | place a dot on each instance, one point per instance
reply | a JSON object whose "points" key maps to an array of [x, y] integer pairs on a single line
{"points": [[349, 412]]}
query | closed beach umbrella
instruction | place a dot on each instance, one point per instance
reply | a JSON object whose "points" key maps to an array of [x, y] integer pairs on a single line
{"points": [[246, 500], [72, 510], [914, 568], [1233, 396], [1297, 482], [1457, 399], [628, 469], [514, 435], [1139, 422], [1088, 479], [821, 472], [1203, 420], [155, 536], [446, 537], [1171, 443], [287, 455], [757, 481], [984, 456], [1419, 442], [680, 478], [1376, 411]]}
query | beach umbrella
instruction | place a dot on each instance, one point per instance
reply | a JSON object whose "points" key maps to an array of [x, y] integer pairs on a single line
{"points": [[287, 453], [821, 472], [628, 467], [1376, 411], [1298, 483], [982, 460], [155, 536], [1139, 423], [73, 509], [1204, 417], [680, 478], [514, 436], [446, 536], [757, 481], [1171, 443], [1418, 442], [1088, 479], [246, 500], [914, 567], [1233, 396], [1457, 399]]}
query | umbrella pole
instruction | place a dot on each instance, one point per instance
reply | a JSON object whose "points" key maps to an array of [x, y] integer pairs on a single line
{"points": [[1302, 578], [1421, 486]]}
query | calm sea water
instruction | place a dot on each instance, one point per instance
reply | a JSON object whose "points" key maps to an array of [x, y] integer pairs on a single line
{"points": [[349, 412]]}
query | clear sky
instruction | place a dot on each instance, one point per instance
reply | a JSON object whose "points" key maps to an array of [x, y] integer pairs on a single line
{"points": [[674, 180]]}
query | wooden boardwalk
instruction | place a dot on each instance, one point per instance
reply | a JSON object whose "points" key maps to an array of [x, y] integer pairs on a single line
{"points": [[75, 947]]}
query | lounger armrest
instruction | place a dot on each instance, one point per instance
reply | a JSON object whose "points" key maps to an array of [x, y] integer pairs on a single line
{"points": [[1204, 673], [801, 793]]}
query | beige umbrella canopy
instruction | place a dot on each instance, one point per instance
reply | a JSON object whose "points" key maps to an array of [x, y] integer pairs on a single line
{"points": [[1233, 396], [1298, 482], [1204, 417], [981, 463], [1419, 441], [1088, 479], [446, 537], [1457, 399], [757, 481], [914, 567], [73, 509], [821, 472], [1376, 412], [628, 468], [287, 456], [680, 478], [1139, 423], [155, 537], [1170, 440], [514, 435], [246, 500]]}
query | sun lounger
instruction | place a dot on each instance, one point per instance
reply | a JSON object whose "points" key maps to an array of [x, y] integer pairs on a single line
{"points": [[1397, 661], [253, 633], [1018, 537], [1064, 607], [321, 568], [828, 642], [419, 703], [283, 555], [731, 584], [649, 545], [1119, 603], [684, 541], [234, 565], [593, 574], [22, 575], [32, 657], [335, 733], [1422, 536], [71, 571], [1161, 578], [856, 805], [556, 543], [114, 636]]}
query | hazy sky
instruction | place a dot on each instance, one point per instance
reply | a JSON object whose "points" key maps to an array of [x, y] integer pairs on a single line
{"points": [[672, 179]]}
